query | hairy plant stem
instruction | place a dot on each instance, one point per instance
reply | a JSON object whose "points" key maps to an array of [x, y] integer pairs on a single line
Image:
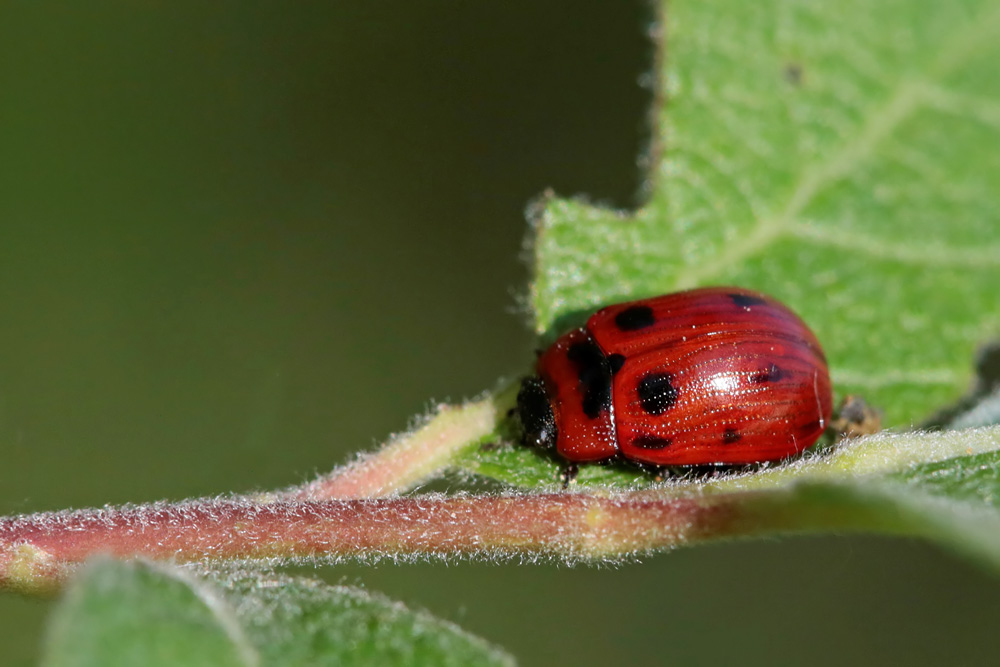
{"points": [[37, 552], [408, 459], [346, 514]]}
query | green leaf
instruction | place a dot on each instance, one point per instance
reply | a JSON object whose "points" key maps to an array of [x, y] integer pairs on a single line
{"points": [[942, 486], [840, 156], [910, 457], [522, 467], [984, 412], [142, 614], [297, 621], [969, 529], [975, 479], [146, 614]]}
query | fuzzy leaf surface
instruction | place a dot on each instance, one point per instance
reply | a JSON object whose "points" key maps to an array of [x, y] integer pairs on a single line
{"points": [[840, 156], [138, 613]]}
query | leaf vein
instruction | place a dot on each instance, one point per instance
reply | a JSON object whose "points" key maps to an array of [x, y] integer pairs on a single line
{"points": [[918, 255]]}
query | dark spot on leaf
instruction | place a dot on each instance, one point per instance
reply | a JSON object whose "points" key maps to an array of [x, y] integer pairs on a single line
{"points": [[793, 74], [855, 409], [731, 436]]}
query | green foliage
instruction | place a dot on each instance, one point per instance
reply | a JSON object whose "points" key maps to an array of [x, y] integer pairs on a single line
{"points": [[139, 614], [883, 507], [841, 156], [975, 479], [144, 614]]}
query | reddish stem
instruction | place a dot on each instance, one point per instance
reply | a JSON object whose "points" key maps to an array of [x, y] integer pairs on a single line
{"points": [[407, 459], [38, 551]]}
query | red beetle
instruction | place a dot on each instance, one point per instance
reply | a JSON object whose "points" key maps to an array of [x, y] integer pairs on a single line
{"points": [[718, 375]]}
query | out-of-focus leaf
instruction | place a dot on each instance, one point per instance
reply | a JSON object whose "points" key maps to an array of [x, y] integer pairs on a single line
{"points": [[146, 614]]}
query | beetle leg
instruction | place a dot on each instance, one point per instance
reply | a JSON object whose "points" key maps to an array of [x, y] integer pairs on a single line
{"points": [[569, 473]]}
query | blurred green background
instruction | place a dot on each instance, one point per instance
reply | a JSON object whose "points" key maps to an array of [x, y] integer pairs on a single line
{"points": [[241, 240]]}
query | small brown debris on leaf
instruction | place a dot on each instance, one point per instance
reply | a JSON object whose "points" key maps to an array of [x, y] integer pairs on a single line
{"points": [[856, 418]]}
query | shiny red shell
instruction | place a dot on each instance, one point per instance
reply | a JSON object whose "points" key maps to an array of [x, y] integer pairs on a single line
{"points": [[718, 375]]}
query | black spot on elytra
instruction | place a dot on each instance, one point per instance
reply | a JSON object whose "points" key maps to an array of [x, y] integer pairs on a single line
{"points": [[731, 436], [657, 393], [746, 300], [634, 318], [594, 372], [651, 442], [535, 411], [770, 374], [616, 361]]}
